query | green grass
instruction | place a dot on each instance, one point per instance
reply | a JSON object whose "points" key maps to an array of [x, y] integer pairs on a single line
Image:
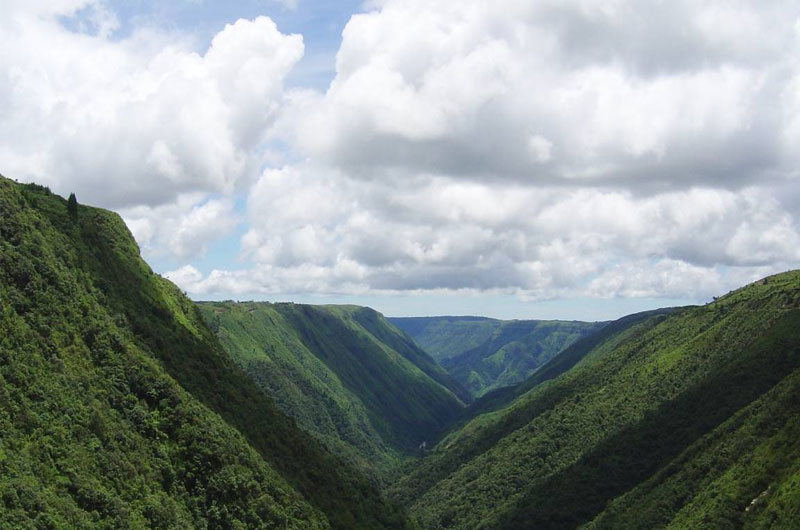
{"points": [[446, 337], [268, 349], [120, 408]]}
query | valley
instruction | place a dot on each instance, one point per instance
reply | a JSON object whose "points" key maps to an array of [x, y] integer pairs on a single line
{"points": [[123, 403], [343, 373], [485, 354]]}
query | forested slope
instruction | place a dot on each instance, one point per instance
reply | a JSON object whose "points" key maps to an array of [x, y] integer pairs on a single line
{"points": [[687, 419], [608, 335], [447, 336], [342, 372], [485, 354], [119, 408]]}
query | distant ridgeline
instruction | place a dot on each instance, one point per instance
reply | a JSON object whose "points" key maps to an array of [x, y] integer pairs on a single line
{"points": [[485, 354], [120, 409], [343, 372], [688, 418]]}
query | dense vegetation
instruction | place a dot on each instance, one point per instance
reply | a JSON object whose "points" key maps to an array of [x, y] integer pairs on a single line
{"points": [[119, 408], [484, 354], [446, 337], [343, 373], [686, 419], [608, 334]]}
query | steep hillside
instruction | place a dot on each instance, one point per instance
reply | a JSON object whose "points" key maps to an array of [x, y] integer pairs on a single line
{"points": [[485, 354], [684, 420], [607, 336], [446, 337], [378, 326], [342, 372], [119, 408], [260, 340]]}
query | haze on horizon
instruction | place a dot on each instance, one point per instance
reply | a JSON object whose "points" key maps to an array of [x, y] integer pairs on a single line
{"points": [[510, 158]]}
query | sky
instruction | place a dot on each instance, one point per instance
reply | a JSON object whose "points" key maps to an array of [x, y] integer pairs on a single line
{"points": [[513, 158]]}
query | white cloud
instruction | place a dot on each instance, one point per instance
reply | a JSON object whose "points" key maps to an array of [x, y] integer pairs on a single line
{"points": [[545, 149], [314, 229], [144, 123], [669, 94], [541, 148], [139, 120], [665, 278], [288, 4], [187, 277], [183, 229]]}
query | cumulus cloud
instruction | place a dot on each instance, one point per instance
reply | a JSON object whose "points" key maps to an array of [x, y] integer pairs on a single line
{"points": [[543, 149], [139, 120], [667, 94], [315, 229], [183, 229], [152, 124]]}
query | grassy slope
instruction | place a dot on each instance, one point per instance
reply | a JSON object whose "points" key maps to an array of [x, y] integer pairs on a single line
{"points": [[379, 327], [342, 372], [623, 418], [119, 407], [490, 419], [486, 354], [744, 474]]}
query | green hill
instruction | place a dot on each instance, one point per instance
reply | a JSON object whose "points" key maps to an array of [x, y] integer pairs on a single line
{"points": [[119, 408], [608, 334], [343, 373], [686, 419], [485, 354], [446, 337]]}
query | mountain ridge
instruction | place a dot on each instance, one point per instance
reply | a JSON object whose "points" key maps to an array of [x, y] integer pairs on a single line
{"points": [[118, 405], [342, 371], [557, 455]]}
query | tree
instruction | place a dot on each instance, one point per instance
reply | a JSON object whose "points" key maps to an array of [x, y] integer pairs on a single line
{"points": [[72, 207]]}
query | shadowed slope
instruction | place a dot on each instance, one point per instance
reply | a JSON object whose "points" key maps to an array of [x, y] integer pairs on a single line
{"points": [[343, 372]]}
